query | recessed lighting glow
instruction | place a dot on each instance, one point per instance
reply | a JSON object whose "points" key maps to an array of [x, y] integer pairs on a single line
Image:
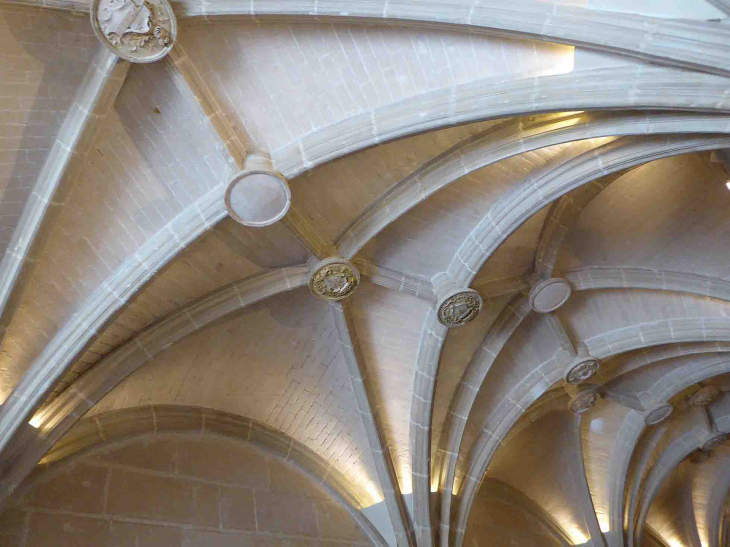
{"points": [[374, 491], [35, 421], [406, 486], [727, 184], [579, 538]]}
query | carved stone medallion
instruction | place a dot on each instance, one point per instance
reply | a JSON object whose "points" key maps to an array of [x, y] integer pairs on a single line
{"points": [[549, 295], [584, 400], [334, 279], [458, 308], [704, 396], [714, 442], [582, 371], [658, 415], [139, 31]]}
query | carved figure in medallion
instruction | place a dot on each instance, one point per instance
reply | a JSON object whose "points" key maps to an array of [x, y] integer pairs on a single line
{"points": [[582, 371], [140, 31], [334, 279], [459, 309], [584, 400]]}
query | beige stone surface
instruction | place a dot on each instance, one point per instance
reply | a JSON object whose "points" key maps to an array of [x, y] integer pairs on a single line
{"points": [[145, 535], [115, 498], [168, 380], [153, 455], [80, 490], [295, 379], [236, 467], [352, 59], [237, 508], [143, 496], [286, 513]]}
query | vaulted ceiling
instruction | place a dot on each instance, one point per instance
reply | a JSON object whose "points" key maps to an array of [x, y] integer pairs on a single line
{"points": [[552, 174]]}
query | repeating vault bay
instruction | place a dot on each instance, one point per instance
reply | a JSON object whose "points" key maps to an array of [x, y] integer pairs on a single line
{"points": [[431, 274]]}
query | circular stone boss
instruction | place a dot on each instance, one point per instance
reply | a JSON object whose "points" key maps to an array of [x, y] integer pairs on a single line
{"points": [[549, 295], [334, 279], [138, 31], [584, 401], [459, 307], [715, 441], [658, 415], [258, 198], [582, 371]]}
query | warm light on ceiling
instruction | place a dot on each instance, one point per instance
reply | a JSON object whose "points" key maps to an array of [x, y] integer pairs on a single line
{"points": [[727, 184], [579, 538], [35, 421], [455, 489], [603, 523], [375, 494], [406, 482]]}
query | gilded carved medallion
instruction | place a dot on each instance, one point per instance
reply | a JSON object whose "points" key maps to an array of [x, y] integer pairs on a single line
{"points": [[460, 308], [139, 31], [335, 279]]}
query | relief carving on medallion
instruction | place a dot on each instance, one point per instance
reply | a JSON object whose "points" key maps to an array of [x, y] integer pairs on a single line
{"points": [[585, 399], [582, 371], [334, 279], [459, 308], [139, 31]]}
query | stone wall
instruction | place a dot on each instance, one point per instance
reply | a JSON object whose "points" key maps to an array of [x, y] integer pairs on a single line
{"points": [[179, 490]]}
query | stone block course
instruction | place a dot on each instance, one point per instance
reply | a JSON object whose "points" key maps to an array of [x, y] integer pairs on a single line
{"points": [[307, 93], [80, 490], [150, 497], [233, 465], [115, 498], [285, 513]]}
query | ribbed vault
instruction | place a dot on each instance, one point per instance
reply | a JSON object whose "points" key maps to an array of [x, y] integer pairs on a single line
{"points": [[530, 201]]}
